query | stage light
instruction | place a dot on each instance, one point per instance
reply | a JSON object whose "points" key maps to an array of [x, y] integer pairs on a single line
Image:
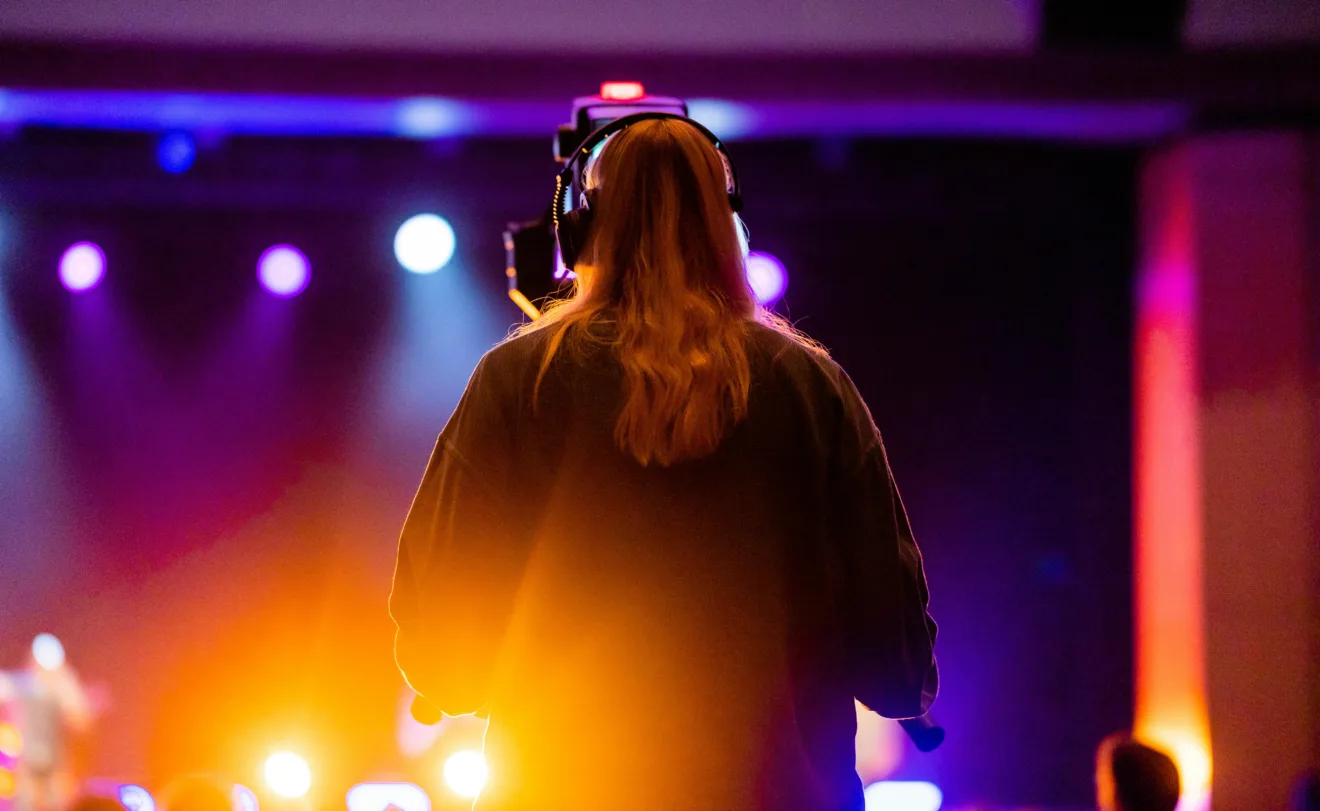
{"points": [[727, 119], [48, 651], [176, 152], [243, 798], [424, 243], [288, 775], [466, 772], [136, 798], [427, 117], [898, 795], [7, 784], [383, 796], [767, 276], [82, 266], [622, 91], [284, 271]]}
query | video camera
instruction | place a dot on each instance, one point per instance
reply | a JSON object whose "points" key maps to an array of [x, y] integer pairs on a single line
{"points": [[532, 264]]}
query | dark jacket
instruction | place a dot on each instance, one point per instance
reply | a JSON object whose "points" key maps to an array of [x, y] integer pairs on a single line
{"points": [[676, 638]]}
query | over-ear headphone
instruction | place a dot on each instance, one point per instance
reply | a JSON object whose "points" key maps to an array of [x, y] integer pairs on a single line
{"points": [[573, 227]]}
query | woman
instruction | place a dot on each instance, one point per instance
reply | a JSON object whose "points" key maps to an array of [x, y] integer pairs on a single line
{"points": [[658, 540]]}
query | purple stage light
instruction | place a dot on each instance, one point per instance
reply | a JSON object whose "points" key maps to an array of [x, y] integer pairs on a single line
{"points": [[767, 276], [284, 271], [82, 266]]}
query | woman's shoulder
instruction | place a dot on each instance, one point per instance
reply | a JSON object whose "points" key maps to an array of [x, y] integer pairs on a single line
{"points": [[517, 350], [790, 351]]}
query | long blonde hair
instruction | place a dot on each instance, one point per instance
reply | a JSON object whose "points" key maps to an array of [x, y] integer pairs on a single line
{"points": [[665, 263]]}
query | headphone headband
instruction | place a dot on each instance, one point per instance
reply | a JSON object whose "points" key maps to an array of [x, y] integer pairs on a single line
{"points": [[598, 136]]}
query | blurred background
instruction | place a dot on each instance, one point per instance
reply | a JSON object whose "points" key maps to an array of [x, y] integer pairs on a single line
{"points": [[1067, 250]]}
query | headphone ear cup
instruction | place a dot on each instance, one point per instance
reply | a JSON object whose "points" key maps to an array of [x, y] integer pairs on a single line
{"points": [[574, 228]]}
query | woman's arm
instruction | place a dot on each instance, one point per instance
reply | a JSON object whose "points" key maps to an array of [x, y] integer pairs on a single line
{"points": [[889, 633], [458, 567]]}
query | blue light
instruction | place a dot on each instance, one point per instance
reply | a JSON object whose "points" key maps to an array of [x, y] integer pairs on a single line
{"points": [[727, 119], [896, 795], [136, 798], [176, 152], [428, 118]]}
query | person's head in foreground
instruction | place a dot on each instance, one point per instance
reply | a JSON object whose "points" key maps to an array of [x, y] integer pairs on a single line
{"points": [[665, 264], [1130, 776]]}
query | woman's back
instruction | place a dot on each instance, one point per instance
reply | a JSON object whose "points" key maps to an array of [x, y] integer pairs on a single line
{"points": [[672, 637]]}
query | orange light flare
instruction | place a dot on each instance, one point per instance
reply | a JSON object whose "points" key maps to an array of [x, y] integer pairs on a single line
{"points": [[1171, 704]]}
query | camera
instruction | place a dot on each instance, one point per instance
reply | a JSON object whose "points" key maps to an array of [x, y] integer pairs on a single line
{"points": [[533, 266]]}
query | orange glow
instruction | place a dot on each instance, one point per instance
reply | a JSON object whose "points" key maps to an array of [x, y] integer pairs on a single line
{"points": [[879, 746], [6, 784], [11, 742], [524, 304], [1171, 708]]}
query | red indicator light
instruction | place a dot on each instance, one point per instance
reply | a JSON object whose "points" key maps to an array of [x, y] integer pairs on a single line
{"points": [[622, 91]]}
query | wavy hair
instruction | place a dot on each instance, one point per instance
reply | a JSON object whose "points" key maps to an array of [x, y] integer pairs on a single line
{"points": [[665, 263]]}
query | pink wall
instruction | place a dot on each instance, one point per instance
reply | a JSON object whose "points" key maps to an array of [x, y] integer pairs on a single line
{"points": [[571, 26]]}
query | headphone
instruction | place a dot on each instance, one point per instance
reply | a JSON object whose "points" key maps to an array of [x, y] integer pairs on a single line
{"points": [[573, 227]]}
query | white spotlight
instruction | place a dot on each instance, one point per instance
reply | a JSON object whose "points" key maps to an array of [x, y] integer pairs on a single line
{"points": [[898, 795], [48, 651], [386, 796], [466, 772], [424, 243], [288, 775]]}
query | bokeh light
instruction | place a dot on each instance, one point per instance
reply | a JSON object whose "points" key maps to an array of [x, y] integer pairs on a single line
{"points": [[7, 784], [243, 798], [767, 276], [176, 152], [288, 775], [424, 243], [82, 266], [466, 773], [727, 119], [11, 741], [136, 798], [899, 795], [48, 651], [284, 271], [383, 796], [428, 117]]}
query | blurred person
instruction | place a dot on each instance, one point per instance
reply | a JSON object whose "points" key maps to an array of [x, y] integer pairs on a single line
{"points": [[659, 541], [1130, 776], [46, 703]]}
